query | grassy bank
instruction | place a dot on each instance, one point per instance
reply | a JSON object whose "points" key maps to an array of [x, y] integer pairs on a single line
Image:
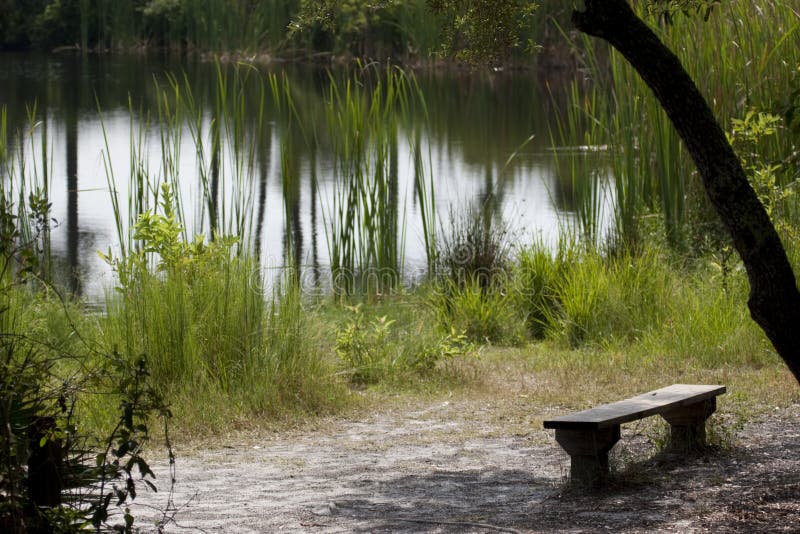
{"points": [[659, 294], [228, 358], [195, 331]]}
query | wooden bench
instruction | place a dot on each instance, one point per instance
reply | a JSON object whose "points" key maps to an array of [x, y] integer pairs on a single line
{"points": [[588, 436]]}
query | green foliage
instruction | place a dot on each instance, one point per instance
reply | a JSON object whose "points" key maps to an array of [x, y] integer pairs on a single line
{"points": [[746, 137], [160, 245], [378, 348], [164, 19], [18, 22], [651, 176], [358, 27], [470, 289], [121, 463], [25, 208], [578, 296], [792, 105], [535, 274], [361, 344], [667, 9], [484, 30], [362, 27], [54, 475], [482, 313]]}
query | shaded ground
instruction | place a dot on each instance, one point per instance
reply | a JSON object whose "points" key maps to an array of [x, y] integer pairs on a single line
{"points": [[455, 467]]}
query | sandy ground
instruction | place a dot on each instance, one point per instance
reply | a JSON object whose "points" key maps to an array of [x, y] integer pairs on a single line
{"points": [[457, 467]]}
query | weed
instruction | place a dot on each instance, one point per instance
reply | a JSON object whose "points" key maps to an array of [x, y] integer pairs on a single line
{"points": [[484, 314], [362, 346], [475, 248]]}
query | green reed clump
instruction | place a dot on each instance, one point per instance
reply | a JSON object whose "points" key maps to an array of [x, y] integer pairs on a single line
{"points": [[648, 303], [365, 228], [191, 306], [536, 271], [470, 291], [480, 313], [730, 56], [190, 294], [601, 299], [475, 247], [198, 310], [580, 296]]}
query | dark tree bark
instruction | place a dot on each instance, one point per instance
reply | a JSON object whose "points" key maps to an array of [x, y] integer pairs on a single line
{"points": [[774, 300]]}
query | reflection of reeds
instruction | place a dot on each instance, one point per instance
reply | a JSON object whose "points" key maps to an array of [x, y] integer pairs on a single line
{"points": [[203, 318], [579, 161], [365, 219]]}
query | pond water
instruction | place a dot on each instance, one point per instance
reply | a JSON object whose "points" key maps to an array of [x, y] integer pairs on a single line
{"points": [[475, 133]]}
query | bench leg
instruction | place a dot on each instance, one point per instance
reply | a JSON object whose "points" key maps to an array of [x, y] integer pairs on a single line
{"points": [[588, 451], [688, 425]]}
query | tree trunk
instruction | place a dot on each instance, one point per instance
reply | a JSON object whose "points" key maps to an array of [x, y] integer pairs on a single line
{"points": [[774, 299]]}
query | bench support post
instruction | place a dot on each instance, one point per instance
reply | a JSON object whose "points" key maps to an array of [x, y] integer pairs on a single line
{"points": [[588, 451], [688, 424]]}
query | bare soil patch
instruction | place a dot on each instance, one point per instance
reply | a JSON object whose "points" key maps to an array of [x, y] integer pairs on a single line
{"points": [[458, 467]]}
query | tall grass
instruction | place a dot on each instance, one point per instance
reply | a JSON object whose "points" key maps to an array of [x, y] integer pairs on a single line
{"points": [[580, 162], [365, 223], [25, 220], [742, 59], [647, 304], [191, 295]]}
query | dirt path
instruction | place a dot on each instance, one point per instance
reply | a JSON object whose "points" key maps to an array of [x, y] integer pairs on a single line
{"points": [[452, 467]]}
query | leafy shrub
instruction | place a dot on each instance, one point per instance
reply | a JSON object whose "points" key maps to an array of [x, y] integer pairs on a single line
{"points": [[377, 349], [196, 308], [361, 344], [53, 476]]}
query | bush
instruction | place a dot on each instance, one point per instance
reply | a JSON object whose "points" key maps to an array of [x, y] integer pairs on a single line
{"points": [[584, 297], [475, 249], [58, 471], [378, 349], [482, 314]]}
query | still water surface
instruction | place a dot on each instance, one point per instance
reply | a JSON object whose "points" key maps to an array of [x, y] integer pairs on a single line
{"points": [[475, 124]]}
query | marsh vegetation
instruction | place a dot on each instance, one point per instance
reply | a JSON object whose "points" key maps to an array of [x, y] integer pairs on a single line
{"points": [[280, 244]]}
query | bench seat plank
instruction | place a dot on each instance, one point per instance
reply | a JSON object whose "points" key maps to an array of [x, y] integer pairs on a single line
{"points": [[655, 402]]}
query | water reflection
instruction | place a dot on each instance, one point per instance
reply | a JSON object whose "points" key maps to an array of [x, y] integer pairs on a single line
{"points": [[474, 123], [70, 107]]}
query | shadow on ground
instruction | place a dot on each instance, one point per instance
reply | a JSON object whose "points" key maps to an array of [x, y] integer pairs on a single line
{"points": [[752, 487]]}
